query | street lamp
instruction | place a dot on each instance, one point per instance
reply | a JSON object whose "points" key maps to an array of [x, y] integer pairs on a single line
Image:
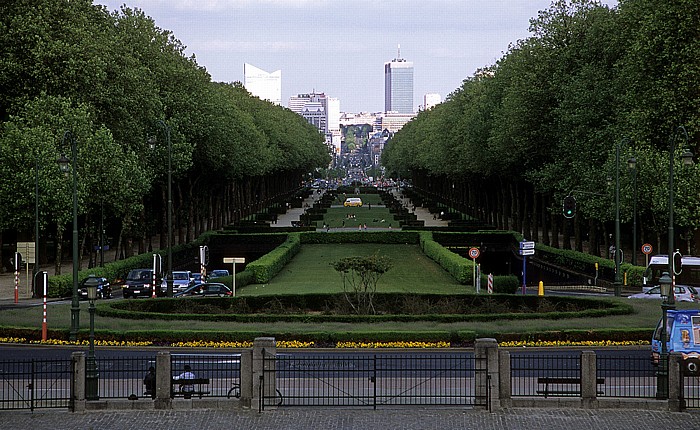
{"points": [[618, 282], [35, 269], [152, 144], [91, 374], [632, 165], [665, 284], [64, 165], [667, 280]]}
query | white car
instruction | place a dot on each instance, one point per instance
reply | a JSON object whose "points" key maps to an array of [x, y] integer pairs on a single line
{"points": [[683, 293], [182, 280]]}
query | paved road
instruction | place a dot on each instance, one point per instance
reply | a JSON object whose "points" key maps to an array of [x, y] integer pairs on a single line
{"points": [[409, 418]]}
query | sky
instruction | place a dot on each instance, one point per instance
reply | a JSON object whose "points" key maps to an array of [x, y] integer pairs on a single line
{"points": [[339, 47]]}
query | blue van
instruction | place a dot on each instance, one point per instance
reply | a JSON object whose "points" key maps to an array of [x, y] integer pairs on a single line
{"points": [[683, 328]]}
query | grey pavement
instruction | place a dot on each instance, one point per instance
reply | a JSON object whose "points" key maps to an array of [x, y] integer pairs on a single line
{"points": [[341, 418]]}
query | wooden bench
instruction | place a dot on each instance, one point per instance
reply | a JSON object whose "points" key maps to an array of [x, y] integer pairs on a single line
{"points": [[199, 384], [558, 381]]}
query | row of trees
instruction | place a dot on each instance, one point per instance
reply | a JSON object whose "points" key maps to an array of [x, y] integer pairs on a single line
{"points": [[116, 80], [544, 122]]}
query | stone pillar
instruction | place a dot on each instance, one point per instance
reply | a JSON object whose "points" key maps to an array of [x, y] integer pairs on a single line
{"points": [[487, 380], [77, 386], [163, 381], [589, 371], [504, 387], [675, 381], [264, 370], [246, 381]]}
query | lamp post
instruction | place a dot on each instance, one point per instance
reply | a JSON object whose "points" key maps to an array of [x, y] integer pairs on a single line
{"points": [[632, 164], [618, 283], [64, 165], [35, 269], [91, 374], [169, 269], [665, 283], [667, 280]]}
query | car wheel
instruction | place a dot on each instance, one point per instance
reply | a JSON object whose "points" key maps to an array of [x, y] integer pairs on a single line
{"points": [[692, 366]]}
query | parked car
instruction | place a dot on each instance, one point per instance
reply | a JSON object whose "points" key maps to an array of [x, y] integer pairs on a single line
{"points": [[217, 273], [182, 279], [683, 293], [196, 278], [206, 289], [138, 283], [104, 290]]}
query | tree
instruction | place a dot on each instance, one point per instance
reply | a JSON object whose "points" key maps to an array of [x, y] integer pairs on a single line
{"points": [[360, 277]]}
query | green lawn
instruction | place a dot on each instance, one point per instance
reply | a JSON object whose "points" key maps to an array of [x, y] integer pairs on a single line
{"points": [[311, 272], [373, 214]]}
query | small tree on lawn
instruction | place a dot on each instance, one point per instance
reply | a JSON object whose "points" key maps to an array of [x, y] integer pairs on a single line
{"points": [[360, 276]]}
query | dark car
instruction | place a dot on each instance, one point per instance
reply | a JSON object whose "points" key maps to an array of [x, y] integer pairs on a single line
{"points": [[217, 273], [138, 284], [206, 289], [104, 290]]}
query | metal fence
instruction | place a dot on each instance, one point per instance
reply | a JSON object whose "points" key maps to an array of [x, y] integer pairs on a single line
{"points": [[528, 370], [691, 391], [122, 377], [223, 372], [379, 380], [626, 376], [33, 384]]}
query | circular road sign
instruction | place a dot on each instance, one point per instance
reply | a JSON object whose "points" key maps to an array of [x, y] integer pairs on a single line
{"points": [[646, 249], [474, 253]]}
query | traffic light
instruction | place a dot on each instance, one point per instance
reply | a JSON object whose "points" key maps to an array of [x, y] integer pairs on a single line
{"points": [[569, 207]]}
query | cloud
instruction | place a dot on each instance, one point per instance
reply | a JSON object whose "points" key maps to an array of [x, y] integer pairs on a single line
{"points": [[219, 5], [230, 46]]}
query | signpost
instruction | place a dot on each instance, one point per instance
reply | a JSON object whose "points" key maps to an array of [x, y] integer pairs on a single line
{"points": [[474, 254], [28, 255], [646, 250], [233, 274], [526, 248]]}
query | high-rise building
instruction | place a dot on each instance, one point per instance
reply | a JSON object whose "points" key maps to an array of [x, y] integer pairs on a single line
{"points": [[398, 85], [266, 86], [321, 111], [430, 100]]}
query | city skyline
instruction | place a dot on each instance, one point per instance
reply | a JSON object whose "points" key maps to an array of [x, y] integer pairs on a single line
{"points": [[340, 48]]}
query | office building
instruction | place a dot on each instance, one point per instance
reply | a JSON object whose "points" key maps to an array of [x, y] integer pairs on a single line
{"points": [[430, 100], [266, 86], [398, 85]]}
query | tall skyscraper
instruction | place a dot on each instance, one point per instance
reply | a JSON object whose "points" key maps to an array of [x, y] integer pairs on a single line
{"points": [[430, 100], [398, 85], [267, 86]]}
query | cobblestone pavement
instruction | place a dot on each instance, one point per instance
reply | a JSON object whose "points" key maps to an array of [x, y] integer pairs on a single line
{"points": [[414, 418]]}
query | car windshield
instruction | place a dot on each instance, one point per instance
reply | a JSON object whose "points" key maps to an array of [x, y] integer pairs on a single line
{"points": [[180, 276], [136, 275]]}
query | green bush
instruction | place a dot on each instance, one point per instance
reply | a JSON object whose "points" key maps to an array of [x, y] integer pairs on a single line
{"points": [[270, 264], [459, 267], [387, 237]]}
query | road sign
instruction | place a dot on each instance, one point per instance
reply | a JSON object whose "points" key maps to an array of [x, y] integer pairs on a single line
{"points": [[646, 249], [27, 251], [527, 252], [527, 245], [474, 253]]}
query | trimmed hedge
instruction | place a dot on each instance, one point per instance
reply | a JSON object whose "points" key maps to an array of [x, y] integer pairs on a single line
{"points": [[459, 267], [270, 264], [386, 237], [323, 308]]}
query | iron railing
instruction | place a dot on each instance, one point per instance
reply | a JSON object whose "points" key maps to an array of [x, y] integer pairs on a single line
{"points": [[222, 370], [378, 380], [527, 369], [122, 377], [626, 376], [32, 384]]}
